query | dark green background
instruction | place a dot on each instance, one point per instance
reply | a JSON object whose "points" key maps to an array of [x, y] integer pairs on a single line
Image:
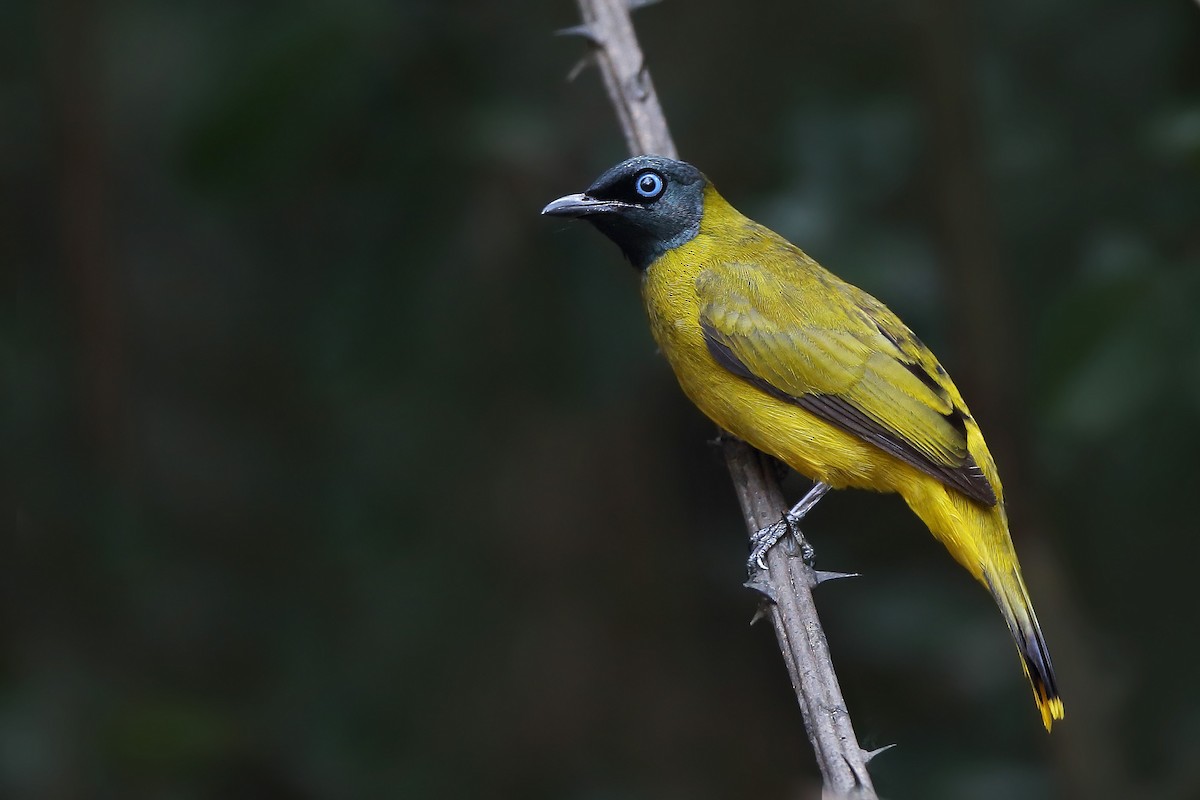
{"points": [[331, 470]]}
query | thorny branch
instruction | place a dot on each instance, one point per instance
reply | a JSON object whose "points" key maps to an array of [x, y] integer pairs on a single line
{"points": [[789, 581]]}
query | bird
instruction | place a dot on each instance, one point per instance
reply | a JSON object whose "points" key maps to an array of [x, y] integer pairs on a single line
{"points": [[805, 367]]}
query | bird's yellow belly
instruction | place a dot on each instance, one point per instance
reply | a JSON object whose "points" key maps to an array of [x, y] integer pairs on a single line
{"points": [[807, 444]]}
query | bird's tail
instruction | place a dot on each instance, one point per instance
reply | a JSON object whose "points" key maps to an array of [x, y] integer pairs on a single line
{"points": [[1013, 599], [977, 536]]}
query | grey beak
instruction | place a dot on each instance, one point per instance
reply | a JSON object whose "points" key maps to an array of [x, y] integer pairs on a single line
{"points": [[580, 205], [573, 205]]}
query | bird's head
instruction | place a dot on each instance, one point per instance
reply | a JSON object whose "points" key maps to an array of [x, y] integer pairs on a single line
{"points": [[648, 205]]}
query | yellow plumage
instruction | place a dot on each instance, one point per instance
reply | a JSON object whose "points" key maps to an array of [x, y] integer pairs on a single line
{"points": [[803, 331], [813, 371]]}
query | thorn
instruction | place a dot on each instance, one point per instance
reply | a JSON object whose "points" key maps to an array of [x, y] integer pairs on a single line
{"points": [[583, 30], [759, 613], [634, 5], [579, 67], [824, 575], [760, 584], [641, 81], [870, 754]]}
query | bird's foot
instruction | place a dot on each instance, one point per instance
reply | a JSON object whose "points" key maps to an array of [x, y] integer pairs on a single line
{"points": [[766, 538], [762, 541]]}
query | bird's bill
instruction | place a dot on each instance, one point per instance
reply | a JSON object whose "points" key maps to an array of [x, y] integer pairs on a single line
{"points": [[580, 205]]}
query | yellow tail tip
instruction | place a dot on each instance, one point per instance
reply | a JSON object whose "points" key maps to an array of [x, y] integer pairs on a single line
{"points": [[1051, 708]]}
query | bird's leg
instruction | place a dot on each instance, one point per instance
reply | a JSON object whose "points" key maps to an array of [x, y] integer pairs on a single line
{"points": [[799, 511], [764, 539]]}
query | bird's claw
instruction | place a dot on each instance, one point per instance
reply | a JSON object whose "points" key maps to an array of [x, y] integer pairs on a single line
{"points": [[761, 543], [766, 538]]}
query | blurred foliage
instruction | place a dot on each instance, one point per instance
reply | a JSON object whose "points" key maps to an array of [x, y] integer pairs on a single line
{"points": [[331, 470]]}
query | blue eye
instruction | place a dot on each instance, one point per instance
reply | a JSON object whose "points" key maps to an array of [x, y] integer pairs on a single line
{"points": [[649, 184]]}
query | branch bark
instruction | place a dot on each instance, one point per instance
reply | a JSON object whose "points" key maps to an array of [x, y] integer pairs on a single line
{"points": [[843, 763]]}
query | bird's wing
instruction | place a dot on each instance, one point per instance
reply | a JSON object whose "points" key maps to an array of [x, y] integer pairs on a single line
{"points": [[815, 341]]}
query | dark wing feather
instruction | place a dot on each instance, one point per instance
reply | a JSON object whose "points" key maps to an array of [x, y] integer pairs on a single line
{"points": [[867, 361]]}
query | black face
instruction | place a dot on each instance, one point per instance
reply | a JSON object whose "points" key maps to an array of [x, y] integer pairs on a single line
{"points": [[647, 205]]}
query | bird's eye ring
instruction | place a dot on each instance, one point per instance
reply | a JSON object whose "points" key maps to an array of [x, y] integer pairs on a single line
{"points": [[649, 184]]}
